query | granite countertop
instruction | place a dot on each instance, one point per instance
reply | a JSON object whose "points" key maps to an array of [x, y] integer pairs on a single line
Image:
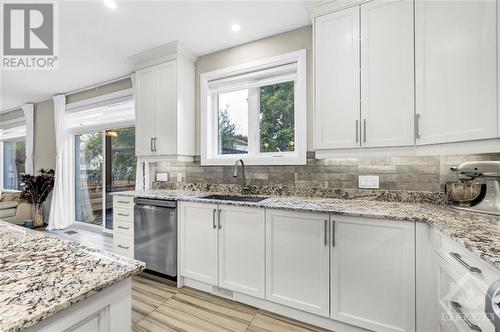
{"points": [[480, 233], [42, 274]]}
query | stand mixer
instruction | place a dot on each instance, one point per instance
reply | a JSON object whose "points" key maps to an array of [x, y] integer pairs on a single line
{"points": [[488, 173]]}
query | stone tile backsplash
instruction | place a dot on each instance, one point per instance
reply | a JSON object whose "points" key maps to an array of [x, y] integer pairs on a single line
{"points": [[416, 173]]}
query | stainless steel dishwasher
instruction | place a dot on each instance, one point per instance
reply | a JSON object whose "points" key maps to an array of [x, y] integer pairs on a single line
{"points": [[155, 235]]}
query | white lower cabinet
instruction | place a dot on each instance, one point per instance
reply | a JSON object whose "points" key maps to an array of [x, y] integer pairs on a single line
{"points": [[297, 254], [241, 250], [198, 235], [223, 246], [373, 273]]}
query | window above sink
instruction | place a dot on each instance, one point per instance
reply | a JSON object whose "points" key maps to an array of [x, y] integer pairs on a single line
{"points": [[255, 112]]}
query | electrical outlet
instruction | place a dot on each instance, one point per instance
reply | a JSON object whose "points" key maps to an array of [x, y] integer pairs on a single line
{"points": [[162, 176], [368, 181]]}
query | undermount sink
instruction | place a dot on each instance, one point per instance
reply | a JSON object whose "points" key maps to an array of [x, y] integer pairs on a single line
{"points": [[236, 198]]}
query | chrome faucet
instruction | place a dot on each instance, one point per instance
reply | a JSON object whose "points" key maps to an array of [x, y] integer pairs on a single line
{"points": [[245, 189]]}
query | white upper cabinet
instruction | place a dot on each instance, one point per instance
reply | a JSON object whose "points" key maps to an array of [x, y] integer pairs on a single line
{"points": [[337, 79], [456, 70], [373, 273], [164, 93], [387, 89]]}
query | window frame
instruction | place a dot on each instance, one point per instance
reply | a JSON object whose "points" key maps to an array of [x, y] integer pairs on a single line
{"points": [[20, 124], [209, 113]]}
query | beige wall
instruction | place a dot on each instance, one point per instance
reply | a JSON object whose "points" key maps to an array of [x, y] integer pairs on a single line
{"points": [[260, 49], [45, 140]]}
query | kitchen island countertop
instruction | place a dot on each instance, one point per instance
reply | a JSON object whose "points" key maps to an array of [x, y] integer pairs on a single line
{"points": [[41, 274]]}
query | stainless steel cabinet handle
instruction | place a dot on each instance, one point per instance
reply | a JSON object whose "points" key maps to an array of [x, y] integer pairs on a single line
{"points": [[364, 130], [357, 131], [417, 126], [123, 214], [121, 227], [325, 225], [122, 202], [218, 219], [213, 219], [333, 233], [151, 145], [458, 309], [154, 143], [464, 263], [120, 246]]}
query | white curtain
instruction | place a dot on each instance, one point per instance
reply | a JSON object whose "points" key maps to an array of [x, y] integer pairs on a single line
{"points": [[28, 116], [61, 208]]}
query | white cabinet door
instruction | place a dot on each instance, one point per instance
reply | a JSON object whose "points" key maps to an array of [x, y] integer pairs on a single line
{"points": [[387, 111], [456, 70], [166, 121], [241, 249], [373, 273], [337, 79], [145, 111], [198, 241], [297, 254]]}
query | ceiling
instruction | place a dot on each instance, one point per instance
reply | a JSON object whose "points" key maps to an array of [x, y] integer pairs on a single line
{"points": [[95, 41]]}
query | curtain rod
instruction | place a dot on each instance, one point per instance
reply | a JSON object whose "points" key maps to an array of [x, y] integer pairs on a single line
{"points": [[98, 85]]}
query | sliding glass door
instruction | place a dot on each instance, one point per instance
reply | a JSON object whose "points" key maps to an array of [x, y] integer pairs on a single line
{"points": [[105, 163], [14, 158]]}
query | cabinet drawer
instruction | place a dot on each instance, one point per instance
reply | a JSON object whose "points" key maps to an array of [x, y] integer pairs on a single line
{"points": [[123, 202], [123, 245], [123, 227], [122, 214], [461, 301], [465, 262]]}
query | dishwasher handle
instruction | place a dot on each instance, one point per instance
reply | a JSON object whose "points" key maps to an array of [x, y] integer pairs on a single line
{"points": [[156, 202]]}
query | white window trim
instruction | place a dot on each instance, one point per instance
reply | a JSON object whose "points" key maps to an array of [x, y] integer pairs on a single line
{"points": [[208, 115]]}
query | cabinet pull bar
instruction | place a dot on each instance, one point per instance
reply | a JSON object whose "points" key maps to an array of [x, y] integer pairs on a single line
{"points": [[458, 309], [122, 202], [326, 232], [151, 144], [120, 246], [333, 233], [154, 141], [464, 263], [218, 219], [213, 219], [417, 126], [123, 214], [364, 130], [357, 131], [122, 227]]}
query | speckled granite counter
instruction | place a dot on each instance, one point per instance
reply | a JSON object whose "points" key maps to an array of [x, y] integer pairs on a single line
{"points": [[479, 233], [42, 274]]}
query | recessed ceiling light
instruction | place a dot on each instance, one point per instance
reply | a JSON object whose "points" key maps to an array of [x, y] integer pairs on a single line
{"points": [[235, 27], [110, 4]]}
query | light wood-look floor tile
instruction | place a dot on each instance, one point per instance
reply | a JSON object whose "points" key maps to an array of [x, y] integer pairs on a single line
{"points": [[268, 322], [147, 295]]}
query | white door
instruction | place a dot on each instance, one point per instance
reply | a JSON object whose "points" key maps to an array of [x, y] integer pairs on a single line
{"points": [[145, 111], [387, 111], [198, 241], [373, 273], [241, 249], [166, 121], [337, 79], [456, 70], [297, 255]]}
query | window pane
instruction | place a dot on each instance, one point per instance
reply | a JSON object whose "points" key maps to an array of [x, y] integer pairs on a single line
{"points": [[277, 117], [120, 166], [89, 157], [14, 158], [233, 122]]}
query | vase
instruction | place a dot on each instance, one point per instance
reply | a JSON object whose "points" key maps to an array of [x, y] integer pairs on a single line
{"points": [[38, 220]]}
